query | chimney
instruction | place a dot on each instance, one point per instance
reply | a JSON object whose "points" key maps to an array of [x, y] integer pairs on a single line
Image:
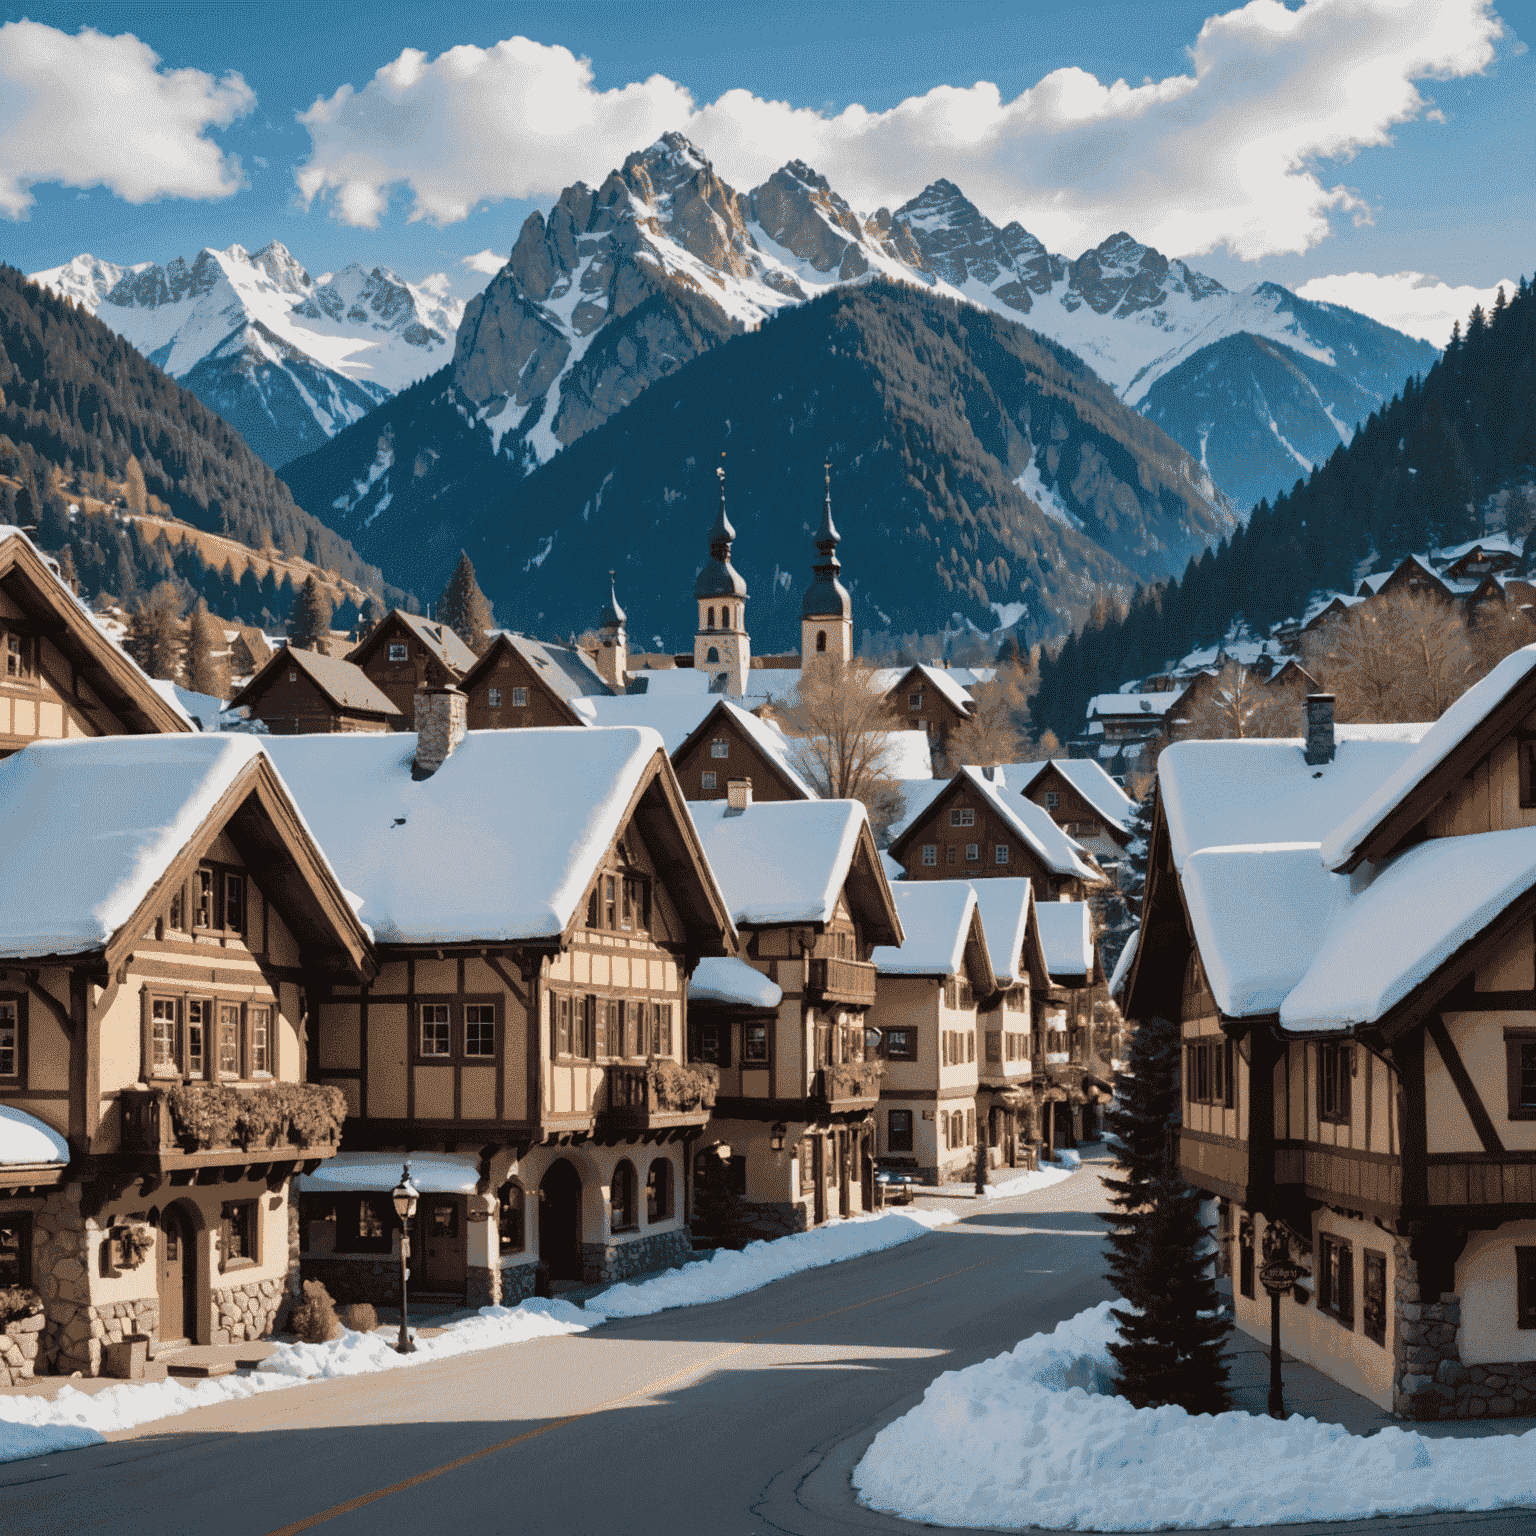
{"points": [[738, 795], [442, 720], [1320, 743]]}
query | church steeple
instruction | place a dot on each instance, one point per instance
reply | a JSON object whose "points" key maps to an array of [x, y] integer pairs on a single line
{"points": [[826, 614], [612, 641], [721, 646]]}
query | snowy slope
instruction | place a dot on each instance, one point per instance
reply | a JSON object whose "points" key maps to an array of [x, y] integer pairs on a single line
{"points": [[285, 359]]}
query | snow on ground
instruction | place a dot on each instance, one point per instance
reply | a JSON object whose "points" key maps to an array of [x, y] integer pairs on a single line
{"points": [[1035, 1438]]}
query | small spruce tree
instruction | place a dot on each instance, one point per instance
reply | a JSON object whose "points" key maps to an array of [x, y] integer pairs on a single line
{"points": [[465, 609], [206, 671], [309, 620]]}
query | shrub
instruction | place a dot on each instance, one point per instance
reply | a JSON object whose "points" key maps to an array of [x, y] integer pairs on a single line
{"points": [[361, 1317], [210, 1115], [18, 1301], [679, 1088], [314, 1320]]}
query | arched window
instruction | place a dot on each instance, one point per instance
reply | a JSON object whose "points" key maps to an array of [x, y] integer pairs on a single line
{"points": [[510, 1219], [711, 623], [622, 1215], [712, 654], [658, 1191], [821, 639]]}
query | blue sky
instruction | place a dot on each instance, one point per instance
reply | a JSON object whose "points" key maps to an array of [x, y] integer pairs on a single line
{"points": [[1385, 137]]}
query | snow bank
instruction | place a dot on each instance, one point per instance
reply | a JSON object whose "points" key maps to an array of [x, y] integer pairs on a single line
{"points": [[731, 1273], [1033, 1438], [1024, 1183]]}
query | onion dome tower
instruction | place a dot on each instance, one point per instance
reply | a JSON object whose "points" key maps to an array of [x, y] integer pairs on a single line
{"points": [[826, 615], [722, 647]]}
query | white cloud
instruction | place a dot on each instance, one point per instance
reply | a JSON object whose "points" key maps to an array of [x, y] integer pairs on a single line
{"points": [[1409, 301], [487, 261], [90, 110], [1229, 153]]}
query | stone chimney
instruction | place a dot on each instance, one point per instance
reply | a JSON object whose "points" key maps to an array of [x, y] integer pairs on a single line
{"points": [[738, 795], [1320, 743], [442, 722]]}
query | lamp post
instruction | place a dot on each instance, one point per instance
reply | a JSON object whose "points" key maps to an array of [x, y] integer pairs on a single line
{"points": [[1278, 1275], [405, 1196]]}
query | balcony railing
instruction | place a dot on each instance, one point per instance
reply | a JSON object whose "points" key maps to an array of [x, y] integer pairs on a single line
{"points": [[660, 1093], [286, 1119], [842, 981], [853, 1085]]}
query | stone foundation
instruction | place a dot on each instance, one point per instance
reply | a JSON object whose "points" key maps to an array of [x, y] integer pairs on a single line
{"points": [[518, 1281], [618, 1261], [769, 1219], [73, 1336], [248, 1311], [20, 1345], [482, 1287]]}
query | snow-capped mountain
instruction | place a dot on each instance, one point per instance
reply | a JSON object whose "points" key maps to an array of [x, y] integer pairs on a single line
{"points": [[286, 359], [621, 285]]}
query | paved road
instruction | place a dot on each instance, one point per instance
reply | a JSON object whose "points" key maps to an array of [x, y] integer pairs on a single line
{"points": [[738, 1419]]}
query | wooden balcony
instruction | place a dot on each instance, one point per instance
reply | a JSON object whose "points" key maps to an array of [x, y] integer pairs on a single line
{"points": [[841, 981], [853, 1086], [195, 1125], [659, 1095]]}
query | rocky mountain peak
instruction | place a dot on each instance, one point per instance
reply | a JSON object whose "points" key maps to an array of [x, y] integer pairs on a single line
{"points": [[797, 209], [1124, 276], [277, 261]]}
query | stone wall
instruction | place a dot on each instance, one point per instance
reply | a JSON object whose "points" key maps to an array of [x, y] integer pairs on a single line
{"points": [[769, 1219], [519, 1280], [618, 1261], [20, 1344], [248, 1311]]}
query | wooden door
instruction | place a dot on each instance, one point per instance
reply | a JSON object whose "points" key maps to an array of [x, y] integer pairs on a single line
{"points": [[176, 1272], [819, 1163], [443, 1243], [560, 1221]]}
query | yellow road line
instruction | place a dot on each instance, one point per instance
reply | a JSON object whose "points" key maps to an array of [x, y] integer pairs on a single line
{"points": [[364, 1499]]}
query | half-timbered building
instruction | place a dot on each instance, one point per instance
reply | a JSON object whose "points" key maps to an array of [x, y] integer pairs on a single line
{"points": [[785, 1024], [537, 900], [405, 653], [1082, 799], [60, 676], [524, 682], [1074, 1081], [168, 923], [306, 693]]}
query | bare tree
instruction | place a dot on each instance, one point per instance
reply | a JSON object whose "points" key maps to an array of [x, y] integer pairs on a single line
{"points": [[841, 723], [993, 732], [1236, 706], [1497, 631]]}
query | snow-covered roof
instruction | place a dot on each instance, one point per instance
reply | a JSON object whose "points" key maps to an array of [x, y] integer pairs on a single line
{"points": [[568, 671], [26, 1142], [88, 826], [433, 1173], [442, 641], [1004, 905], [1032, 823], [343, 682], [201, 709], [916, 796], [936, 918], [1066, 934], [725, 979], [1418, 911], [1119, 705], [1343, 841], [1086, 777], [1123, 965], [945, 680], [909, 755], [500, 843], [893, 870], [780, 861], [1492, 544], [675, 715], [767, 736], [1237, 793]]}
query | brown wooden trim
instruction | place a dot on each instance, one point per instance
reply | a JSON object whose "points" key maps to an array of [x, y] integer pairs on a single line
{"points": [[1482, 1122], [1508, 1156], [86, 1041], [1408, 1053], [1353, 1154], [929, 1095], [412, 1025], [1368, 1060], [362, 1050], [1464, 999], [19, 1084], [506, 977], [1211, 1138]]}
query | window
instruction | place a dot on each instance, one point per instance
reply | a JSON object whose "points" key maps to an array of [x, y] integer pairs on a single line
{"points": [[963, 816], [898, 1131], [293, 677], [519, 698], [712, 654], [219, 900], [821, 640], [658, 1191], [164, 1036], [622, 1215], [397, 651], [199, 1022], [636, 909], [493, 698], [202, 900], [10, 1040], [178, 915], [805, 1156], [915, 700], [1527, 761], [239, 1234], [610, 902], [710, 624], [707, 780], [509, 1223], [1208, 1074], [949, 854], [713, 1043], [754, 1045], [1520, 1051], [1335, 1067], [1000, 854], [229, 1040], [562, 1026], [364, 1223], [1052, 799], [1374, 1298], [480, 1029], [15, 1250], [634, 1044], [1525, 1287], [260, 1027], [930, 854], [719, 747], [1336, 1279], [435, 1039]]}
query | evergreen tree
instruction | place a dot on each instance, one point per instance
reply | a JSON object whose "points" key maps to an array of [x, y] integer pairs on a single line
{"points": [[136, 494], [464, 608], [1172, 1328], [154, 633], [205, 670], [309, 621], [368, 620]]}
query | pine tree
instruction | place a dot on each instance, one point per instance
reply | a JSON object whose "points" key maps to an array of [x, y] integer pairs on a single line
{"points": [[309, 621], [206, 671], [1172, 1328], [464, 608], [154, 633]]}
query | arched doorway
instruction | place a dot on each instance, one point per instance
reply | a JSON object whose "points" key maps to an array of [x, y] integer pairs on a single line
{"points": [[176, 1276], [560, 1221]]}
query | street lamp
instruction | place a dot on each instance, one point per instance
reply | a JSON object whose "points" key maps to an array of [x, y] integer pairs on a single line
{"points": [[405, 1196], [1278, 1275]]}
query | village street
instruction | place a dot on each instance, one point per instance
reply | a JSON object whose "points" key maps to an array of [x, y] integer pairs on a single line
{"points": [[740, 1417]]}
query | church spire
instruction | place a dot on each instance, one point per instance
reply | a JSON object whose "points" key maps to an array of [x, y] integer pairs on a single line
{"points": [[826, 597], [722, 535]]}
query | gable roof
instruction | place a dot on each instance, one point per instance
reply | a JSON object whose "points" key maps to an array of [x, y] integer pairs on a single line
{"points": [[1066, 935], [766, 736], [943, 933], [1119, 706], [438, 638], [1085, 777], [787, 861], [568, 672], [91, 826], [1008, 918], [892, 679], [1448, 749], [29, 579], [344, 683], [447, 859]]}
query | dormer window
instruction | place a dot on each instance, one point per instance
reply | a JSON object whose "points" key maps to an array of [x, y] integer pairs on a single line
{"points": [[720, 747]]}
